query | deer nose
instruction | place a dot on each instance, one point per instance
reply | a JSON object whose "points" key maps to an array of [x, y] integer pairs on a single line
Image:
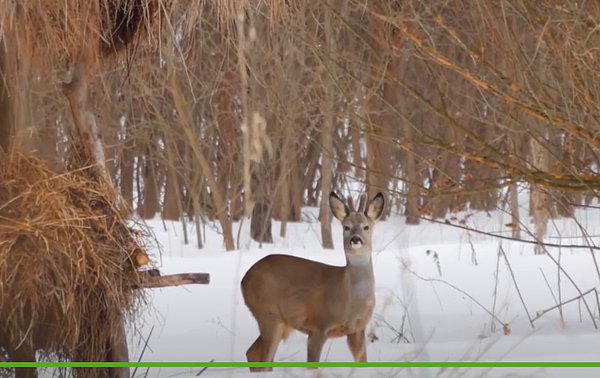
{"points": [[356, 240]]}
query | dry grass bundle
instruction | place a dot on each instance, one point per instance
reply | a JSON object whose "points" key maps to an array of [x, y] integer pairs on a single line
{"points": [[67, 261], [48, 33]]}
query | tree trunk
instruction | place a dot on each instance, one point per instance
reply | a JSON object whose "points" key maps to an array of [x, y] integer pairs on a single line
{"points": [[227, 152], [381, 120], [296, 191], [218, 200], [117, 351], [357, 158], [197, 222], [483, 199], [283, 197], [308, 171], [171, 204], [6, 108], [90, 151], [514, 211], [327, 130], [17, 129], [149, 206], [446, 172], [87, 141], [539, 199], [284, 191], [412, 186], [172, 208], [560, 145], [260, 221], [326, 178], [126, 165]]}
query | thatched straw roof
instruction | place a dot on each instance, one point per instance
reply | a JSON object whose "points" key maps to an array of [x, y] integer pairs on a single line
{"points": [[50, 33], [66, 260]]}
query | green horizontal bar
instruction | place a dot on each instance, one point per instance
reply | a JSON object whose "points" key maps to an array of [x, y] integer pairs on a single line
{"points": [[476, 364]]}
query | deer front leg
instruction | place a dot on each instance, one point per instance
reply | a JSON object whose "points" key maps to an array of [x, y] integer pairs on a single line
{"points": [[357, 345], [316, 339]]}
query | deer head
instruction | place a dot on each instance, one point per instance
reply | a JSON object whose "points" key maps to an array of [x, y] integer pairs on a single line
{"points": [[358, 226]]}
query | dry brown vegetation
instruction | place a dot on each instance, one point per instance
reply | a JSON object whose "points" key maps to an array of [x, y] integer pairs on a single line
{"points": [[67, 264], [214, 111]]}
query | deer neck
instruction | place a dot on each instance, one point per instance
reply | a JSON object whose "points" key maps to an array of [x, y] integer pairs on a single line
{"points": [[359, 266], [359, 262], [360, 275], [360, 258]]}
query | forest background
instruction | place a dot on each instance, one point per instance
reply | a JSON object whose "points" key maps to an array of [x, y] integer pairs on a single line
{"points": [[215, 111]]}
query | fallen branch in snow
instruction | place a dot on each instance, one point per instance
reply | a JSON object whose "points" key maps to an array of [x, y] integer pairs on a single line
{"points": [[153, 279], [495, 295], [203, 369], [143, 351], [543, 312], [501, 250], [473, 253], [399, 335], [589, 241], [581, 294], [562, 318], [505, 326]]}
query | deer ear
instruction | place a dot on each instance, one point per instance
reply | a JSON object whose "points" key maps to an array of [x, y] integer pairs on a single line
{"points": [[375, 208], [338, 207]]}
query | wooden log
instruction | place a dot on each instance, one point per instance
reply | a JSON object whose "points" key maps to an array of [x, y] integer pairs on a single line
{"points": [[150, 273], [153, 279]]}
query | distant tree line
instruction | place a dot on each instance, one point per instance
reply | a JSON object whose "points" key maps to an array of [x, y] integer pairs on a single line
{"points": [[259, 108]]}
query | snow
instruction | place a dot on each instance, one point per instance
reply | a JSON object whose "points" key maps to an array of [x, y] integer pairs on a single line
{"points": [[438, 282]]}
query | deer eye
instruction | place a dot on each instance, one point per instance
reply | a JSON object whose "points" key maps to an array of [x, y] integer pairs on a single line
{"points": [[346, 228], [366, 228]]}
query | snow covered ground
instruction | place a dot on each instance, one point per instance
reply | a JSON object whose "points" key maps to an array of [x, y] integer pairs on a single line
{"points": [[437, 287]]}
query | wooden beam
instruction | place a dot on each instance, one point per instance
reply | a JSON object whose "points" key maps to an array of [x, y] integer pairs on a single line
{"points": [[153, 279]]}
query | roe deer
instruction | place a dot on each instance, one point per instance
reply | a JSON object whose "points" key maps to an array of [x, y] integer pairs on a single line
{"points": [[323, 301]]}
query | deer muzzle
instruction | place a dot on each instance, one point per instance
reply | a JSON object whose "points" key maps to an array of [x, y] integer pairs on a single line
{"points": [[356, 242]]}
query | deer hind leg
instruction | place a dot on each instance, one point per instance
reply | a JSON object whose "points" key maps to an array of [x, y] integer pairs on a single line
{"points": [[357, 345], [264, 347]]}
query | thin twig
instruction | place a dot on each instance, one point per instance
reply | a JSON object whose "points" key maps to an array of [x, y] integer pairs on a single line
{"points": [[203, 369], [588, 240], [492, 325], [457, 289], [535, 242], [558, 285], [512, 274], [574, 285], [597, 301], [549, 287], [143, 349], [473, 253], [543, 312]]}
